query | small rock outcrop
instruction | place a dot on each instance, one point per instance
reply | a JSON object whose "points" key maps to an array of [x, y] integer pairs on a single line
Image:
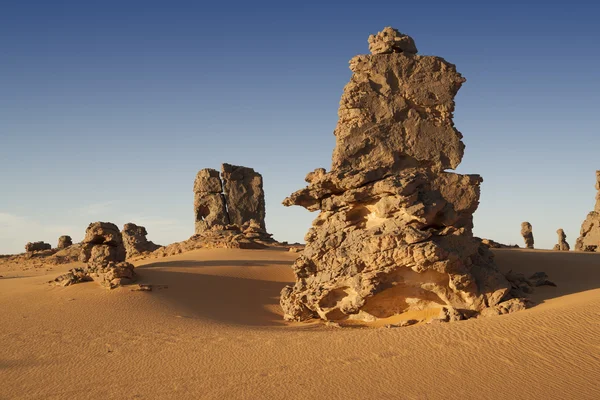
{"points": [[394, 232], [589, 237], [135, 241], [491, 244], [562, 244], [527, 233], [104, 252], [234, 198], [31, 247], [64, 242]]}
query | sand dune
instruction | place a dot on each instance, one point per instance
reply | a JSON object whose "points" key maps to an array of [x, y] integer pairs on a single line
{"points": [[216, 333]]}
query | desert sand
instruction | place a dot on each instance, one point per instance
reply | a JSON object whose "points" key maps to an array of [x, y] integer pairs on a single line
{"points": [[216, 332]]}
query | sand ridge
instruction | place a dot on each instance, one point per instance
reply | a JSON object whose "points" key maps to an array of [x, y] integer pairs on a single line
{"points": [[216, 332]]}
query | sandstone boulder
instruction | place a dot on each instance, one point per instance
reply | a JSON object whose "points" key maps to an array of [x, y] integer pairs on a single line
{"points": [[64, 242], [562, 244], [394, 232], [589, 237], [527, 233], [135, 241], [209, 201], [37, 246]]}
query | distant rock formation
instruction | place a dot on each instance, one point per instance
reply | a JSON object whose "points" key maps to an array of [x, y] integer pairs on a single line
{"points": [[37, 246], [589, 237], [394, 232], [527, 233], [135, 241], [104, 252], [236, 197], [64, 242], [562, 244]]}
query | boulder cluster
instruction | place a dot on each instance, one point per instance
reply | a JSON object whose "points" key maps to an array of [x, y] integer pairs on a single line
{"points": [[589, 237], [527, 233], [232, 201], [394, 233], [31, 247], [135, 241], [104, 252]]}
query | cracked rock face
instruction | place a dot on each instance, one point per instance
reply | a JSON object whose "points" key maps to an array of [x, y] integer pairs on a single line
{"points": [[562, 244], [527, 233], [235, 197], [589, 237], [393, 238], [135, 241]]}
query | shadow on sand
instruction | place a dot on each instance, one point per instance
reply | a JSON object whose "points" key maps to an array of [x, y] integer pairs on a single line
{"points": [[234, 296]]}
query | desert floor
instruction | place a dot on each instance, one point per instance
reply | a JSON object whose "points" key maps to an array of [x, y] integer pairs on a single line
{"points": [[216, 333]]}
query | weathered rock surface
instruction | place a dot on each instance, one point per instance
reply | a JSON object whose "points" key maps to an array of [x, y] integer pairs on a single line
{"points": [[135, 241], [234, 199], [527, 233], [589, 237], [244, 194], [104, 252], [562, 244], [37, 246], [394, 232], [491, 244], [64, 242]]}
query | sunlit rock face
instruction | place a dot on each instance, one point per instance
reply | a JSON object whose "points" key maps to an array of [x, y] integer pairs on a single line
{"points": [[393, 237], [589, 237]]}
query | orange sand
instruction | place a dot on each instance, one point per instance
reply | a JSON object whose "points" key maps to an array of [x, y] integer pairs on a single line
{"points": [[216, 333]]}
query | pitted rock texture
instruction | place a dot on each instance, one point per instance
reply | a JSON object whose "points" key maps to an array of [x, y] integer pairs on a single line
{"points": [[389, 40], [589, 237], [527, 233], [394, 232], [104, 252], [64, 242], [135, 241], [37, 246], [235, 197], [562, 244]]}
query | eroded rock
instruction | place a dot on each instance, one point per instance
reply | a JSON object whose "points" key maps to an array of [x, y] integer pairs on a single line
{"points": [[589, 237], [562, 244], [209, 201], [394, 232], [104, 252], [135, 241], [64, 242], [527, 233], [31, 247]]}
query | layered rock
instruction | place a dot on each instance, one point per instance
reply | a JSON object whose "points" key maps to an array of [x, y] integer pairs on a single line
{"points": [[135, 241], [104, 252], [589, 237], [527, 233], [64, 242], [394, 234], [562, 244], [37, 246]]}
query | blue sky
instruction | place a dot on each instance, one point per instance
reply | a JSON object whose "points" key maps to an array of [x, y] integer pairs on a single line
{"points": [[108, 109]]}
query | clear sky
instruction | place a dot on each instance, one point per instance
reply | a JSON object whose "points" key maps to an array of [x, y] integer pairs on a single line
{"points": [[109, 108]]}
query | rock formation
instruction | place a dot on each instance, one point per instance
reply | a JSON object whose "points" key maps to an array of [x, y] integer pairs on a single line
{"points": [[394, 232], [64, 242], [37, 246], [135, 241], [236, 197], [562, 244], [527, 233], [104, 252], [589, 237], [491, 244]]}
